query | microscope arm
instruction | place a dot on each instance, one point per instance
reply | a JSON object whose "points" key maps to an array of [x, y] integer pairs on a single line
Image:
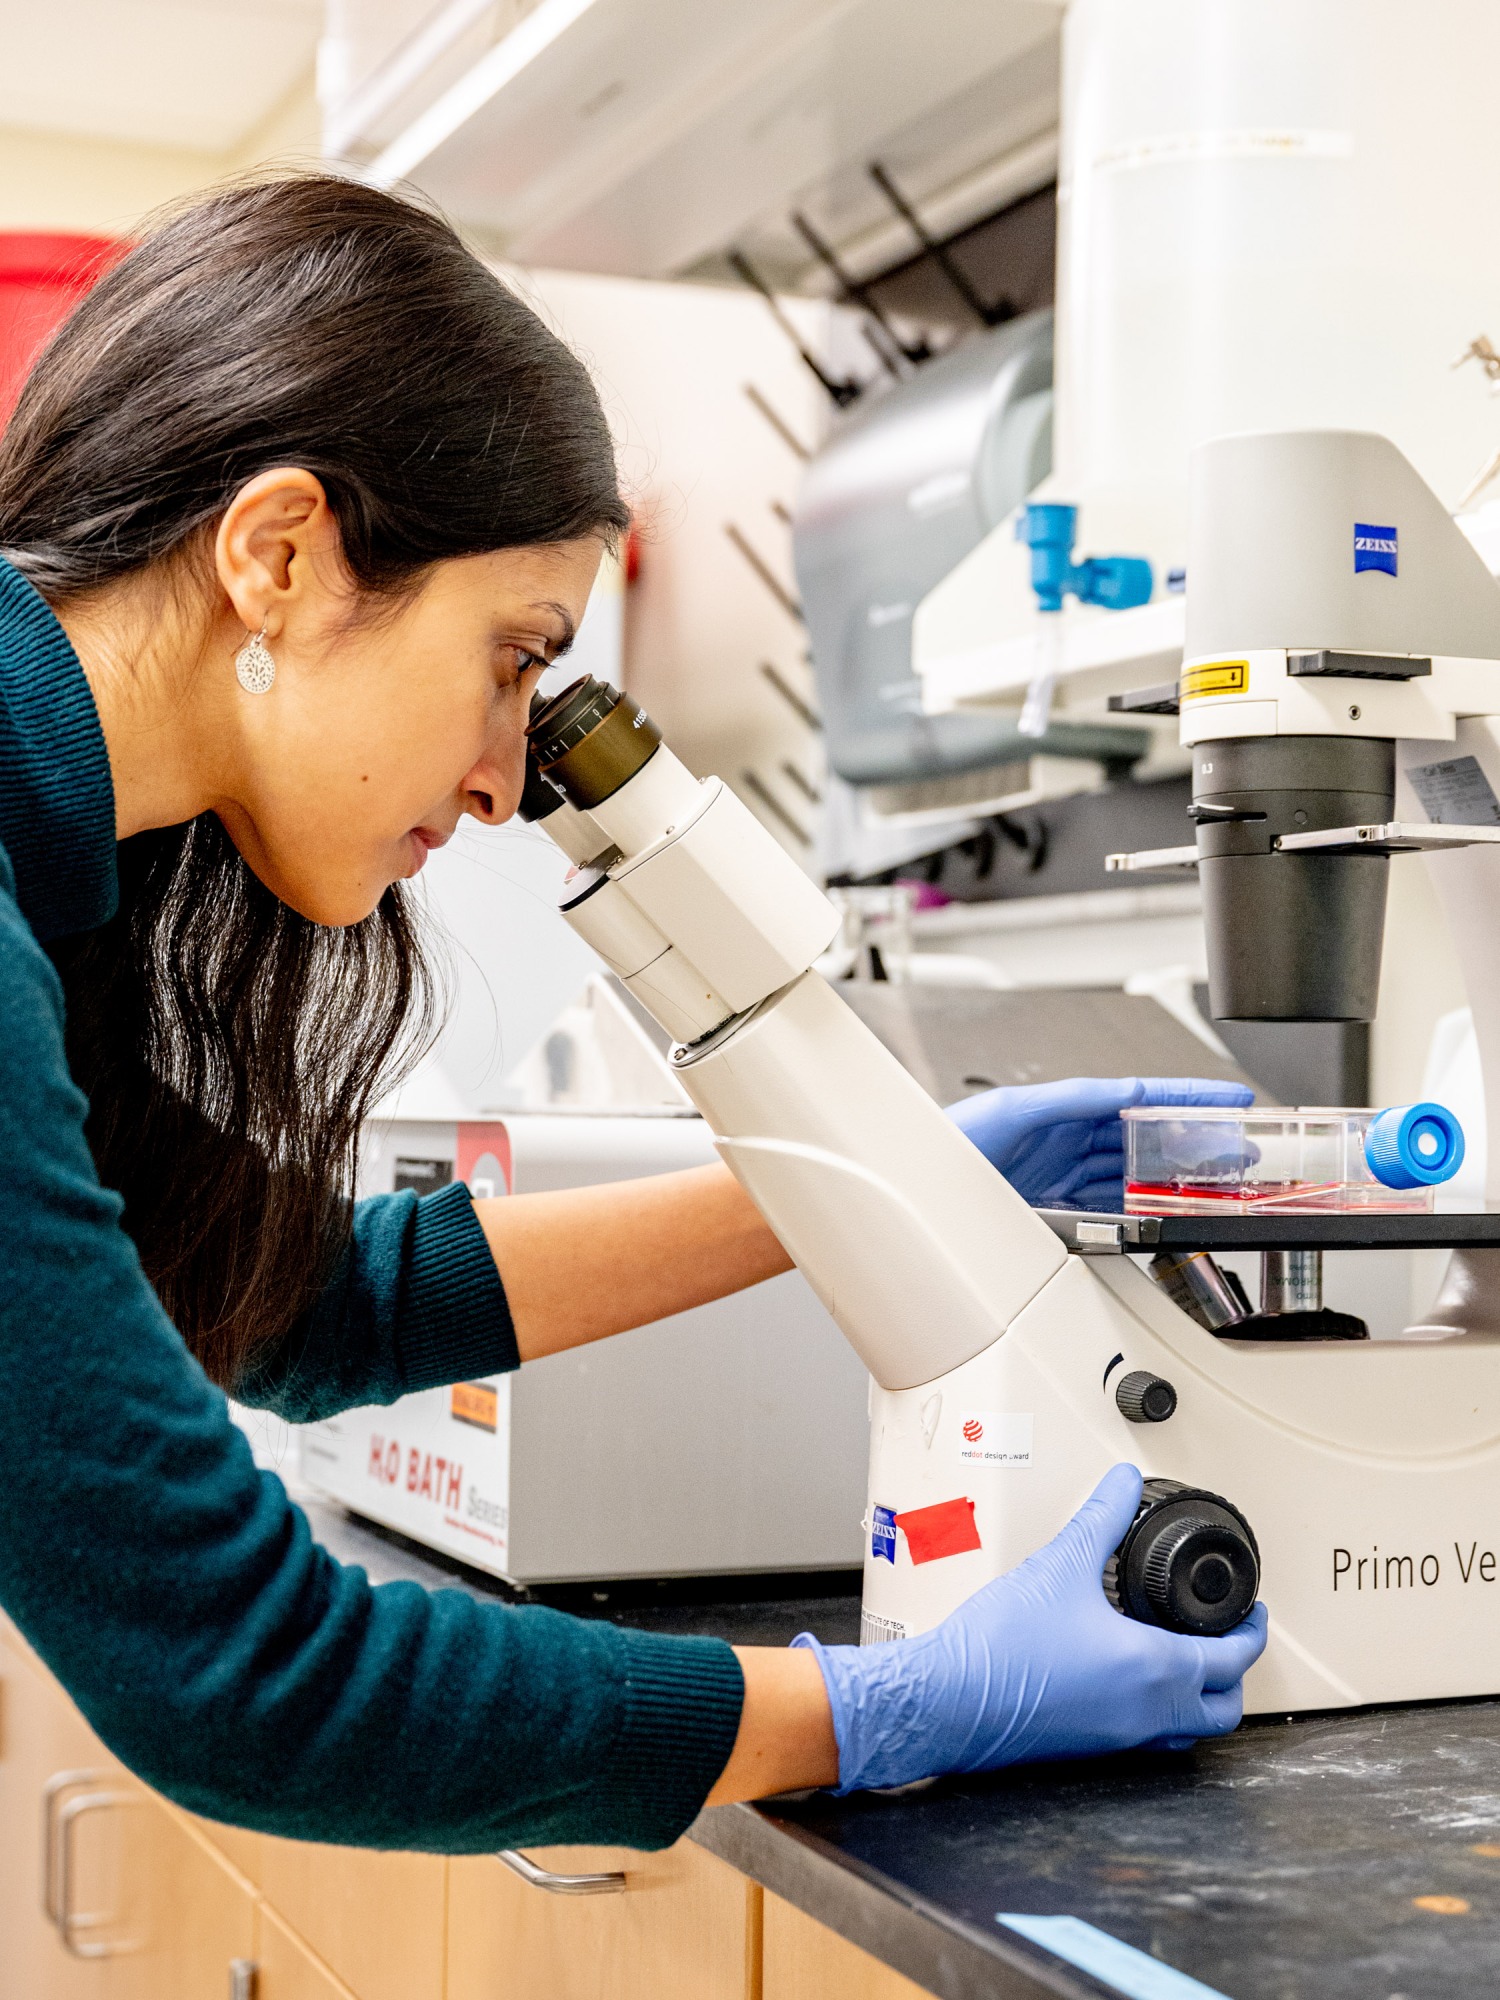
{"points": [[921, 1252]]}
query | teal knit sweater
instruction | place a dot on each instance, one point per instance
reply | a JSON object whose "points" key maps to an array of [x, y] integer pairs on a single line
{"points": [[173, 1589]]}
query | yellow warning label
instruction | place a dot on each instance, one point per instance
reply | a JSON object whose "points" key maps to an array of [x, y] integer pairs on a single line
{"points": [[475, 1403], [1215, 677]]}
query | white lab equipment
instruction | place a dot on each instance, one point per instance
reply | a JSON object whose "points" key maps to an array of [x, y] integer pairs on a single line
{"points": [[645, 1456], [1264, 222], [1016, 1356]]}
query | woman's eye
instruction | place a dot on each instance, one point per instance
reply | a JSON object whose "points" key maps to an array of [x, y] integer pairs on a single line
{"points": [[521, 660]]}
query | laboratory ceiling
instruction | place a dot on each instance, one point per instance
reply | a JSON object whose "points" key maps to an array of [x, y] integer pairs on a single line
{"points": [[199, 74], [649, 137]]}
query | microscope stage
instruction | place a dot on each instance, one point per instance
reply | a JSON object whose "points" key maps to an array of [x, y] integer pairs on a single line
{"points": [[1093, 1233]]}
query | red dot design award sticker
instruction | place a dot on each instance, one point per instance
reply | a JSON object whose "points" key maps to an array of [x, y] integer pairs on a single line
{"points": [[995, 1437]]}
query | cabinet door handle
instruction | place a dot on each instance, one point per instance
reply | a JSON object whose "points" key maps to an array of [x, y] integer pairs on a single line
{"points": [[69, 1925], [52, 1791], [242, 1973], [561, 1885]]}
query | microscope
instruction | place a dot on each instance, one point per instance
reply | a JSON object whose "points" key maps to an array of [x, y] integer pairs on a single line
{"points": [[1341, 696]]}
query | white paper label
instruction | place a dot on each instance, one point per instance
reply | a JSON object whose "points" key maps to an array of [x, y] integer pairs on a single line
{"points": [[877, 1631], [995, 1437], [1455, 792]]}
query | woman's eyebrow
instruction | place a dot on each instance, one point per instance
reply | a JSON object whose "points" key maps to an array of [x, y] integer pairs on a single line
{"points": [[565, 617]]}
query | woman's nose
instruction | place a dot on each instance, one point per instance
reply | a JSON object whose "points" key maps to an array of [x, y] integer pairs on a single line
{"points": [[492, 790]]}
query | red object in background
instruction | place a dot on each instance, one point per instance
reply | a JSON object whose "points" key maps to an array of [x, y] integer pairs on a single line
{"points": [[944, 1530], [630, 554], [42, 278], [474, 1142]]}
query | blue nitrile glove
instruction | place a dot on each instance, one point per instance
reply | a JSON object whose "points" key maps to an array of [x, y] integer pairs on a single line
{"points": [[1061, 1145], [1038, 1664]]}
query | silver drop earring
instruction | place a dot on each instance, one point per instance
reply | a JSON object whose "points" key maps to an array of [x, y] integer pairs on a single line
{"points": [[254, 668]]}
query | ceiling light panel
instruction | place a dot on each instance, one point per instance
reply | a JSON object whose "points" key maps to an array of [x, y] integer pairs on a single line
{"points": [[647, 134]]}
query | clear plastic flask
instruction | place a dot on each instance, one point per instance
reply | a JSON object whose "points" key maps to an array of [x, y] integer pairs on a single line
{"points": [[1212, 1159]]}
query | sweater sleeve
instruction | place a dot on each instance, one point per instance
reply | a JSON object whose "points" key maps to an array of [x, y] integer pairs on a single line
{"points": [[414, 1302], [180, 1598]]}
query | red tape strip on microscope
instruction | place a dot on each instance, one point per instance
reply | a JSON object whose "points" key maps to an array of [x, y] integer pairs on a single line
{"points": [[944, 1530]]}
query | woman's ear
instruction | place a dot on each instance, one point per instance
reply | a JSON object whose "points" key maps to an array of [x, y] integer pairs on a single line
{"points": [[276, 534]]}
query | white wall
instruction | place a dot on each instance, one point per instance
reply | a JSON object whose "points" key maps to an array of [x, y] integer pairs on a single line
{"points": [[672, 363], [108, 187]]}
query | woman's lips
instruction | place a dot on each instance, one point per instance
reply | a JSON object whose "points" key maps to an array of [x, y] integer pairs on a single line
{"points": [[423, 840]]}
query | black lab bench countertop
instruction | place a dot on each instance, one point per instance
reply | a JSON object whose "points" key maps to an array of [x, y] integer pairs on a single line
{"points": [[1350, 1856]]}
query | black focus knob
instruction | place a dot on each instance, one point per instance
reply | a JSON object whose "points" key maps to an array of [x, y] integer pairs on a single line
{"points": [[1145, 1398], [1189, 1561]]}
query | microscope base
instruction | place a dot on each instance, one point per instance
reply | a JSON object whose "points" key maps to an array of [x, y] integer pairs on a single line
{"points": [[1368, 1470]]}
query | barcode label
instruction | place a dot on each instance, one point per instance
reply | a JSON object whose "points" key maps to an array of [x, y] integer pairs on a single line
{"points": [[877, 1631]]}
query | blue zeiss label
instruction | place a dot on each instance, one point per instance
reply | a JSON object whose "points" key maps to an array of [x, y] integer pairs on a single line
{"points": [[1374, 548], [883, 1534]]}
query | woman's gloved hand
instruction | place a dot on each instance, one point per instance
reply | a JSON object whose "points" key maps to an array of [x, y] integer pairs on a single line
{"points": [[1036, 1665], [1061, 1145]]}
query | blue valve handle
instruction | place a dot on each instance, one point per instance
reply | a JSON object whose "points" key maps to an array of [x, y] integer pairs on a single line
{"points": [[1118, 583], [1414, 1145]]}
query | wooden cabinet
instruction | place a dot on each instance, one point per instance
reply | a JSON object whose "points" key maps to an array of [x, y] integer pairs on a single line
{"points": [[286, 1970], [686, 1927], [186, 1916], [244, 1851], [48, 1758], [375, 1919], [106, 1893], [161, 1903], [805, 1961]]}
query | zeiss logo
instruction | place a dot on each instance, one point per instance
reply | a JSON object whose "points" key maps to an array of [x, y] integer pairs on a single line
{"points": [[1374, 548]]}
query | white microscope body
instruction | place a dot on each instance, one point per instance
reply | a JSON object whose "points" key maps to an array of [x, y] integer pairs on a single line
{"points": [[1369, 1471]]}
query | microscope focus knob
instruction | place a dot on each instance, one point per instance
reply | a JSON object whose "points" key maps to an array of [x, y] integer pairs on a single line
{"points": [[1144, 1398], [1189, 1561]]}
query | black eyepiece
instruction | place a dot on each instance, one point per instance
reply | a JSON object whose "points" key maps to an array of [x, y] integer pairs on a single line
{"points": [[590, 740], [561, 721]]}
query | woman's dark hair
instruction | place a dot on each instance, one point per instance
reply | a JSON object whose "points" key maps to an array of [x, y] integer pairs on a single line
{"points": [[230, 1047]]}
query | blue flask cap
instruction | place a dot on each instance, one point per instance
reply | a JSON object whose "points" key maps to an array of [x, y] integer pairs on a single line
{"points": [[1414, 1145]]}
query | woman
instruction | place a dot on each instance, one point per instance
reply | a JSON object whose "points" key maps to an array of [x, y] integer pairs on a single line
{"points": [[294, 512]]}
